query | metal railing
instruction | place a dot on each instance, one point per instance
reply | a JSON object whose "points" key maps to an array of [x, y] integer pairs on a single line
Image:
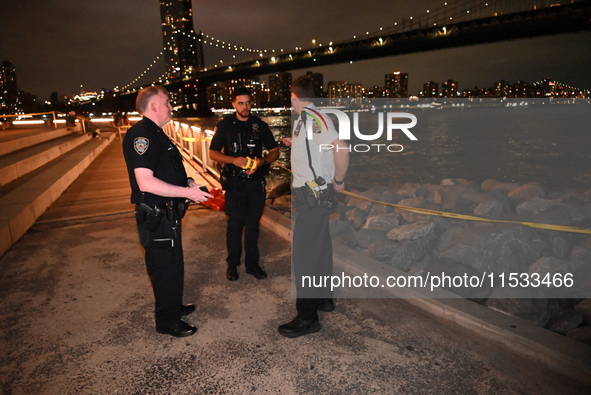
{"points": [[194, 142], [31, 119]]}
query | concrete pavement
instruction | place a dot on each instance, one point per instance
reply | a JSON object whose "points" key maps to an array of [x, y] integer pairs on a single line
{"points": [[77, 318]]}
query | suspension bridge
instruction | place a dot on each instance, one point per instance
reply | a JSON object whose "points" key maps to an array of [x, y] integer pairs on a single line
{"points": [[453, 24]]}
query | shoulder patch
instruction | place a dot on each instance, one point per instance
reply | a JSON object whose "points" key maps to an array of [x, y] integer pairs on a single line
{"points": [[316, 128], [141, 144]]}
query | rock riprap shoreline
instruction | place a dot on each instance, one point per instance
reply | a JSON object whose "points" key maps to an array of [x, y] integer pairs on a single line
{"points": [[419, 244]]}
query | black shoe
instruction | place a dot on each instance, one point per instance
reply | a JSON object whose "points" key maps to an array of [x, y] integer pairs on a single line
{"points": [[187, 309], [299, 327], [257, 272], [178, 329], [232, 273], [327, 305]]}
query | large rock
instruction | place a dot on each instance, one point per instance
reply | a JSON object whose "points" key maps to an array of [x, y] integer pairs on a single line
{"points": [[410, 216], [580, 254], [409, 252], [356, 217], [552, 265], [519, 302], [547, 211], [495, 248], [489, 209], [566, 321], [451, 197], [360, 204], [383, 251], [412, 231], [457, 278], [584, 308], [385, 222], [343, 232], [561, 247], [413, 190], [527, 192], [366, 237], [447, 236], [496, 186]]}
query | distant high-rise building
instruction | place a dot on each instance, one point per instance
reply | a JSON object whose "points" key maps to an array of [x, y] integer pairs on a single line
{"points": [[342, 89], [502, 89], [318, 82], [336, 89], [376, 92], [449, 88], [9, 97], [182, 46], [280, 90], [522, 89], [397, 84], [430, 89]]}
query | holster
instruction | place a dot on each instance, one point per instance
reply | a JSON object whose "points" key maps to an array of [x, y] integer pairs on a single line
{"points": [[152, 216], [316, 197]]}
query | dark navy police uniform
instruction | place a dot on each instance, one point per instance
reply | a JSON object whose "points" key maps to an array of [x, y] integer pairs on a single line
{"points": [[146, 146], [245, 194]]}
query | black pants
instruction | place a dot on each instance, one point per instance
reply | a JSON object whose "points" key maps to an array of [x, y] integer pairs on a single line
{"points": [[164, 261], [311, 257], [245, 201]]}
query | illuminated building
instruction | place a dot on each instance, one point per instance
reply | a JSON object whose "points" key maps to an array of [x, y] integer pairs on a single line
{"points": [[9, 97], [449, 88], [280, 90], [182, 46], [430, 89], [318, 83], [397, 84]]}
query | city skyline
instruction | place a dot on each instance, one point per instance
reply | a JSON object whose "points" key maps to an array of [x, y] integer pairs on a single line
{"points": [[98, 46]]}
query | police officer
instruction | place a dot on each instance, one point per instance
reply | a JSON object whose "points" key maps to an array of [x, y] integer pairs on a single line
{"points": [[312, 161], [160, 189], [238, 145]]}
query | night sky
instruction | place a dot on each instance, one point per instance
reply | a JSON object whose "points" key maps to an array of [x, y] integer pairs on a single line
{"points": [[58, 45]]}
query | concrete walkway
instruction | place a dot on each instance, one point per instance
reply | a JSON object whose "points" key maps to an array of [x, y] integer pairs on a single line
{"points": [[77, 318]]}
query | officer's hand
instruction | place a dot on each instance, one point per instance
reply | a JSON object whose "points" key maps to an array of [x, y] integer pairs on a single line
{"points": [[286, 141], [240, 161], [257, 163], [196, 194]]}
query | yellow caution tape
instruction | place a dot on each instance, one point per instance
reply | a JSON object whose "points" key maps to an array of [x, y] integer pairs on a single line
{"points": [[418, 210]]}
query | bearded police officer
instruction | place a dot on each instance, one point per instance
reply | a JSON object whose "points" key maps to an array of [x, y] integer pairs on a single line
{"points": [[238, 145], [160, 190]]}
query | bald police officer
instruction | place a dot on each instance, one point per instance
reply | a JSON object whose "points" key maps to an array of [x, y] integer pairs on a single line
{"points": [[160, 190]]}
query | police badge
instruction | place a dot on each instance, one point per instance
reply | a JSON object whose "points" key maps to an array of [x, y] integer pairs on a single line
{"points": [[140, 144]]}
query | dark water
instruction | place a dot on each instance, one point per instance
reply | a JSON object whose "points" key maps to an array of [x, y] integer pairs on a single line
{"points": [[548, 144]]}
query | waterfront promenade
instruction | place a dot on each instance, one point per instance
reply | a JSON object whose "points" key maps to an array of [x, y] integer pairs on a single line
{"points": [[77, 318]]}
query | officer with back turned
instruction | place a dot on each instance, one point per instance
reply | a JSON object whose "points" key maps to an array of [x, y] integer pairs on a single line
{"points": [[238, 145], [160, 190]]}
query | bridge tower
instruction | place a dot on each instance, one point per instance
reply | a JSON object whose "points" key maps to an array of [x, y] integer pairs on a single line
{"points": [[183, 47]]}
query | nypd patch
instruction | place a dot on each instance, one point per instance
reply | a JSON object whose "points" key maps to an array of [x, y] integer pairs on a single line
{"points": [[141, 144], [316, 128]]}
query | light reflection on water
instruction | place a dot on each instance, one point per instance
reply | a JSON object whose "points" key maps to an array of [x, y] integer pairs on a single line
{"points": [[547, 144]]}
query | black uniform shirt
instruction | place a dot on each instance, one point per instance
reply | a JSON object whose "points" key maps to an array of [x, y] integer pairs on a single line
{"points": [[146, 145], [232, 137]]}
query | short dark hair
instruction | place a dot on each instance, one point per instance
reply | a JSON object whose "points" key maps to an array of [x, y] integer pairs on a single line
{"points": [[142, 99], [303, 87], [241, 91]]}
